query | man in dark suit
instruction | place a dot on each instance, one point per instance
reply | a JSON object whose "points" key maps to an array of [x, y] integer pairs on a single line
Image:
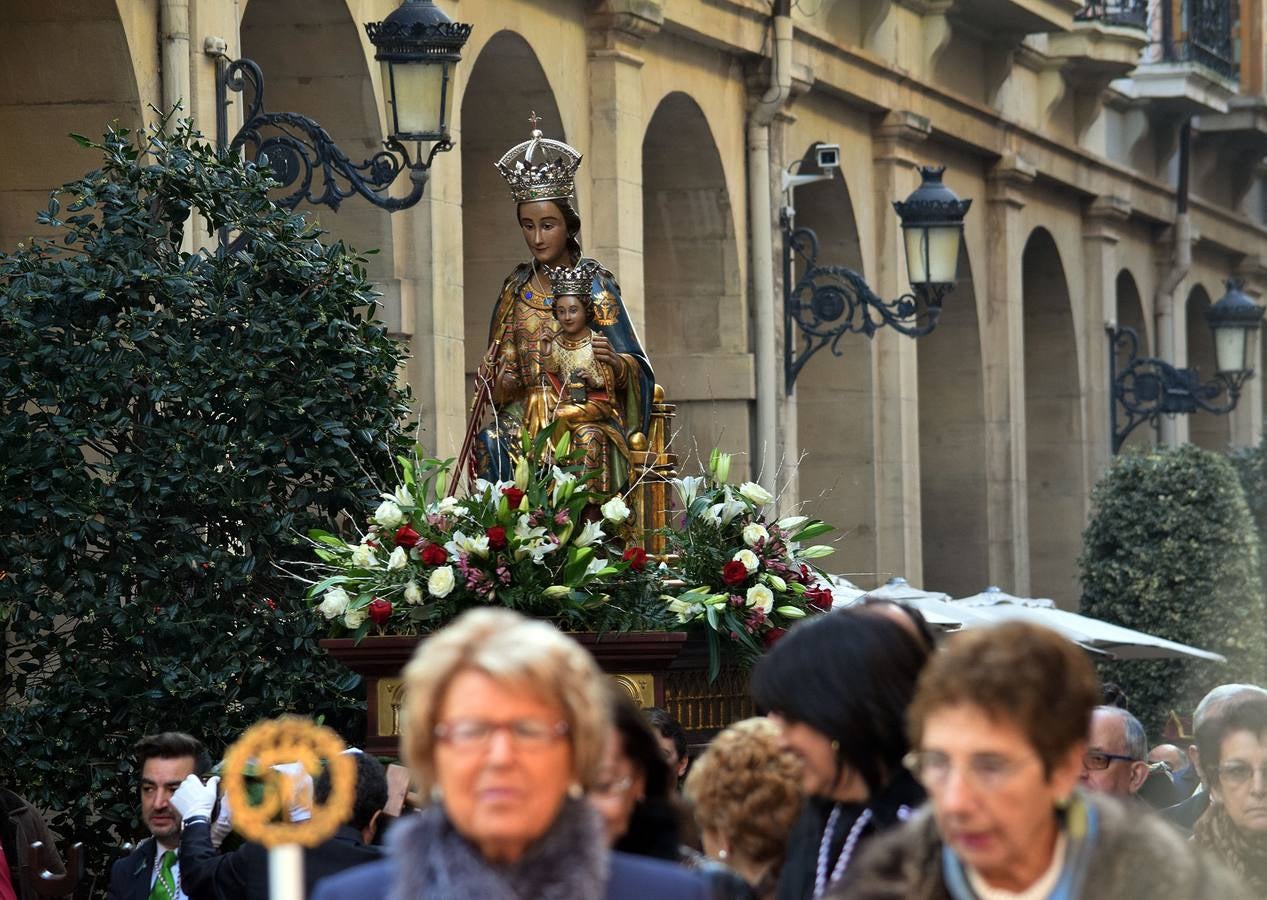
{"points": [[243, 873], [152, 870]]}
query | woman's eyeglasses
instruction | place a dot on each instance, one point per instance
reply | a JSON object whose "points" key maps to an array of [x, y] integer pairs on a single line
{"points": [[477, 734], [987, 771], [1239, 774]]}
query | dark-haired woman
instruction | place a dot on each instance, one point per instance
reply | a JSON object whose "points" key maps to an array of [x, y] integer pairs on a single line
{"points": [[540, 173], [838, 687]]}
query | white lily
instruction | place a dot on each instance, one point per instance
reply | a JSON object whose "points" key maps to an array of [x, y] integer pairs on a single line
{"points": [[723, 513], [524, 532], [444, 506], [403, 497], [685, 611], [474, 545], [754, 492], [537, 549], [688, 488], [592, 532], [791, 523], [564, 486], [596, 565]]}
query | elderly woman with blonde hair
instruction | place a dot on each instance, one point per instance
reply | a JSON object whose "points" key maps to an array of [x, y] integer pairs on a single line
{"points": [[503, 725], [745, 792]]}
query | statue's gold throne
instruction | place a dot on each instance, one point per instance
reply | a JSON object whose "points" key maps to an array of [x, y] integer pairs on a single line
{"points": [[653, 465]]}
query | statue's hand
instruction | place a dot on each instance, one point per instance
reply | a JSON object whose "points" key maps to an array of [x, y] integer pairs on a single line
{"points": [[604, 353]]}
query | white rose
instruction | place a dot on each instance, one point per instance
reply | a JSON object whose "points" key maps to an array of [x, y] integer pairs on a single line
{"points": [[441, 582], [749, 560], [334, 603], [354, 618], [615, 510], [363, 556], [388, 514], [754, 533], [755, 493], [413, 594], [398, 560], [761, 597]]}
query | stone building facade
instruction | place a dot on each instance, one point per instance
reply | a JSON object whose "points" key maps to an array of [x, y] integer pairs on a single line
{"points": [[960, 459]]}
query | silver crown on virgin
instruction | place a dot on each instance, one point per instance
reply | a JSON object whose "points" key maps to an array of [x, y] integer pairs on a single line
{"points": [[540, 168], [575, 282]]}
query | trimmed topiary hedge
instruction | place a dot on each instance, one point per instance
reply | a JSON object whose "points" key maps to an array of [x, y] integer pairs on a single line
{"points": [[169, 424], [1171, 549]]}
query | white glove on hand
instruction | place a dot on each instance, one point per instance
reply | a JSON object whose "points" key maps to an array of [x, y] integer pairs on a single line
{"points": [[193, 798]]}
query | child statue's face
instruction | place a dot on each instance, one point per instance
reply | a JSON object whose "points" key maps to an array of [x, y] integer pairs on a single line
{"points": [[570, 312]]}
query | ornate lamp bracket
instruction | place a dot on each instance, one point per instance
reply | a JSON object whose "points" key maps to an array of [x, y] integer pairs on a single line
{"points": [[1148, 388], [302, 155], [828, 302]]}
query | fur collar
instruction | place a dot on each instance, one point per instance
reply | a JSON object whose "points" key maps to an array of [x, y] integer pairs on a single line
{"points": [[568, 863]]}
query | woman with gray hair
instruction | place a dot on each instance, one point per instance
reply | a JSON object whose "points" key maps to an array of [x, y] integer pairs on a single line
{"points": [[503, 725]]}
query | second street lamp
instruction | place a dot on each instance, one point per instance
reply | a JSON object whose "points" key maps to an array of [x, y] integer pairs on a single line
{"points": [[1147, 388], [828, 302]]}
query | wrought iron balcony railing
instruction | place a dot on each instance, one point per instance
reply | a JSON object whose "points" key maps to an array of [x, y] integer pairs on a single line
{"points": [[1119, 13], [1201, 32]]}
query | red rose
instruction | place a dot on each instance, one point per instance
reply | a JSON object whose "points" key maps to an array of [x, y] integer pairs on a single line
{"points": [[496, 537], [380, 610], [772, 636], [513, 496], [406, 537], [433, 555], [819, 598], [734, 573], [636, 557]]}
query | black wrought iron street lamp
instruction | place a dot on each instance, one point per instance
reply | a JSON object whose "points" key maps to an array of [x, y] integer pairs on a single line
{"points": [[1148, 388], [828, 302], [419, 48]]}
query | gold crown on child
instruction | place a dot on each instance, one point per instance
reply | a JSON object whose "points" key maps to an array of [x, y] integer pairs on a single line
{"points": [[540, 168], [577, 281]]}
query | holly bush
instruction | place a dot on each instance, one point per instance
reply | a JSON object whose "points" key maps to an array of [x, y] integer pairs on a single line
{"points": [[170, 423], [1171, 549]]}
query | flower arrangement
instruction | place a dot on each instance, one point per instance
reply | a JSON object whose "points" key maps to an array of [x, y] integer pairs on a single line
{"points": [[541, 543], [748, 578]]}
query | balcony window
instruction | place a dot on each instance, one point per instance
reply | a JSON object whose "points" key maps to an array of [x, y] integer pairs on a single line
{"points": [[1204, 32]]}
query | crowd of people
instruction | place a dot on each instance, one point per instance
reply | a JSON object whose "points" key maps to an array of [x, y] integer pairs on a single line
{"points": [[883, 766]]}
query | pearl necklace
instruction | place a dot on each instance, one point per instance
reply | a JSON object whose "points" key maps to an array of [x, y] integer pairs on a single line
{"points": [[821, 881]]}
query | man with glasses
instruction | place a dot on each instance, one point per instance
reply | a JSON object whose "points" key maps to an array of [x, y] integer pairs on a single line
{"points": [[1114, 760]]}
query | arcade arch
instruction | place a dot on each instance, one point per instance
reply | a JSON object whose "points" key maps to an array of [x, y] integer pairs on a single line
{"points": [[1053, 424], [697, 321]]}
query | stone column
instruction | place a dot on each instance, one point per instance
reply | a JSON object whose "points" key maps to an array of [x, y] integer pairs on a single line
{"points": [[615, 32], [1003, 370], [1247, 418], [895, 393], [1101, 232]]}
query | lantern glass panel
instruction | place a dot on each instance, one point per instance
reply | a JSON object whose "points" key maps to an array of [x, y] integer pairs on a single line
{"points": [[1231, 343], [417, 94], [932, 254]]}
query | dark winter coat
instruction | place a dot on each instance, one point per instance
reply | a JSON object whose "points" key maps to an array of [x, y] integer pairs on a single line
{"points": [[20, 826]]}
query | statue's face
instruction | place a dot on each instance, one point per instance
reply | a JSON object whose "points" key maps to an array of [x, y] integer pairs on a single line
{"points": [[545, 232], [570, 312]]}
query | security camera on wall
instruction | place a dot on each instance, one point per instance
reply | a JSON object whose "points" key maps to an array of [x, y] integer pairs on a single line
{"points": [[828, 156]]}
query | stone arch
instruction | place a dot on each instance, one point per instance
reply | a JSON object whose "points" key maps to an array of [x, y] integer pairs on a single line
{"points": [[1130, 314], [42, 101], [506, 84], [314, 64], [954, 516], [1053, 423], [1213, 432], [835, 426], [697, 321]]}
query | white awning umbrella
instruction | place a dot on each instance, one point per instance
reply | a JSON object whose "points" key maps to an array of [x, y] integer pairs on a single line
{"points": [[1095, 635], [935, 607]]}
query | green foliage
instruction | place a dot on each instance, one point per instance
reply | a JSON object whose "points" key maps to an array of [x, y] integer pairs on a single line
{"points": [[1251, 468], [1171, 550], [169, 425]]}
